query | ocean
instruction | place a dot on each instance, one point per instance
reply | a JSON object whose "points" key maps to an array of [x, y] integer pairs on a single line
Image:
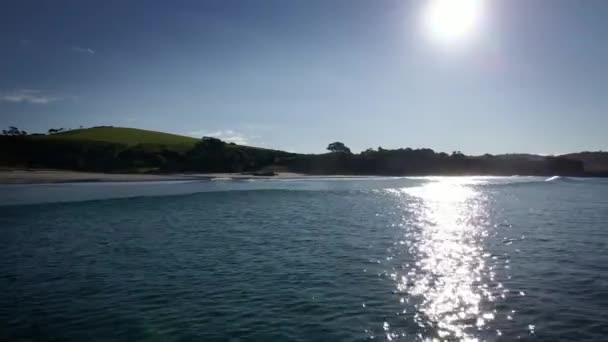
{"points": [[312, 259]]}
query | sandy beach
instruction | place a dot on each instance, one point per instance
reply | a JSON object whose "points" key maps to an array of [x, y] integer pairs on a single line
{"points": [[64, 176]]}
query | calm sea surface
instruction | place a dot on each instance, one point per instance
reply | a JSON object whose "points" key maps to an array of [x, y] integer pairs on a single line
{"points": [[413, 259]]}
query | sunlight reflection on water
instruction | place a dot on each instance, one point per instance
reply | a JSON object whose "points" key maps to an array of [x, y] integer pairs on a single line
{"points": [[448, 283]]}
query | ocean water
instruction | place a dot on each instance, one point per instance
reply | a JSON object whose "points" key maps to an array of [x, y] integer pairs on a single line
{"points": [[412, 259]]}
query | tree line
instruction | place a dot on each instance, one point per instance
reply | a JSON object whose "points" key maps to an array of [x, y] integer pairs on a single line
{"points": [[425, 161], [14, 131], [214, 155], [207, 155]]}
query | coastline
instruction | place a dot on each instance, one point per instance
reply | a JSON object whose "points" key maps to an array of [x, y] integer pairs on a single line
{"points": [[28, 176], [49, 176]]}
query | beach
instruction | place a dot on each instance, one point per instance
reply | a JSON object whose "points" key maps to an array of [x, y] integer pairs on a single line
{"points": [[29, 176]]}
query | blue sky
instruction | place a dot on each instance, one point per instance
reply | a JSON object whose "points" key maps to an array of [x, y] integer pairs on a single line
{"points": [[297, 75]]}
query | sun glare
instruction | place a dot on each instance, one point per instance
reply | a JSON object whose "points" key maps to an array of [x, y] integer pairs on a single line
{"points": [[452, 20]]}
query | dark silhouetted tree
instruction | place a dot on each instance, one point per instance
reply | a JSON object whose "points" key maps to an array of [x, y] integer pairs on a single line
{"points": [[338, 147], [457, 154], [368, 151], [56, 130], [13, 131], [211, 143]]}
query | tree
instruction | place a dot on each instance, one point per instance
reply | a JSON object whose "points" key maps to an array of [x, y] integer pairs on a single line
{"points": [[56, 130], [338, 147], [368, 151], [457, 154], [211, 143], [13, 131]]}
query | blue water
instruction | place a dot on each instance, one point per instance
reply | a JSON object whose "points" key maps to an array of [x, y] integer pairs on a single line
{"points": [[494, 259]]}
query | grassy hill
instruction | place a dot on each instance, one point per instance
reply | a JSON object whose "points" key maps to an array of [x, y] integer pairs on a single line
{"points": [[123, 136], [151, 140], [120, 149]]}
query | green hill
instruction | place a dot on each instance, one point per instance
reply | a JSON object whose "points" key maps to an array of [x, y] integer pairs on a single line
{"points": [[120, 149], [123, 136]]}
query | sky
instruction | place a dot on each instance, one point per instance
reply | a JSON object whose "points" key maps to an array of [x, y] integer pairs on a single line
{"points": [[532, 77]]}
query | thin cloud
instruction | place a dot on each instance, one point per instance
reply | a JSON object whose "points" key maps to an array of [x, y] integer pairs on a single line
{"points": [[225, 135], [87, 51], [237, 139], [32, 96]]}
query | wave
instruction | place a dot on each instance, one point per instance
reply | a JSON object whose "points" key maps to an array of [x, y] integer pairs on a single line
{"points": [[562, 179], [36, 194], [554, 180]]}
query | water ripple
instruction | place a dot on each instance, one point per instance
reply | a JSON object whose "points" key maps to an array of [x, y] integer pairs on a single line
{"points": [[448, 281], [443, 258]]}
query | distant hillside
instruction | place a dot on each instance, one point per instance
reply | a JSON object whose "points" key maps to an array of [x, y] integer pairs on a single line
{"points": [[123, 136], [418, 162], [119, 149], [593, 161]]}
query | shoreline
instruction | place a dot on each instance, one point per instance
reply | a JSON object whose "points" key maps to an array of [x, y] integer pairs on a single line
{"points": [[48, 176], [27, 176]]}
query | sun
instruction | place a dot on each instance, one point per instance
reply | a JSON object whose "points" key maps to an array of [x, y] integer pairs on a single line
{"points": [[452, 20]]}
